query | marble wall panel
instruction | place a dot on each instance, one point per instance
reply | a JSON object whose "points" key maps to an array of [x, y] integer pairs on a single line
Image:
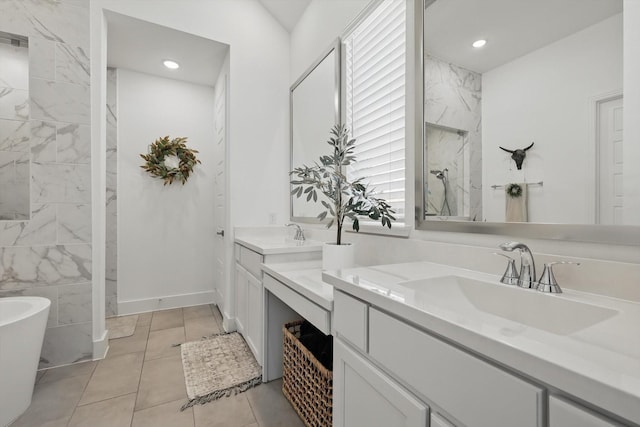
{"points": [[14, 103], [73, 143], [60, 183], [72, 64], [74, 304], [59, 101], [42, 58], [74, 223], [111, 261], [41, 229], [43, 142], [23, 267], [67, 344], [15, 135]]}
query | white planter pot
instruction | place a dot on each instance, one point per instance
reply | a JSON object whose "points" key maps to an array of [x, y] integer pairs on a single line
{"points": [[337, 257]]}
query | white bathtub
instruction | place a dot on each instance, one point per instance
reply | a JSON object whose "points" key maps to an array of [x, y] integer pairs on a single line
{"points": [[22, 324]]}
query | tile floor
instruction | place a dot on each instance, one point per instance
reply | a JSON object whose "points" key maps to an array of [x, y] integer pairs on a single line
{"points": [[141, 383]]}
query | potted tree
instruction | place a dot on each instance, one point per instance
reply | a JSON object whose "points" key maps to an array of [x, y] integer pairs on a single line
{"points": [[343, 199]]}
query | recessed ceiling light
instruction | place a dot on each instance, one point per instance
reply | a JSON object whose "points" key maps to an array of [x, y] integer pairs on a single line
{"points": [[172, 65], [479, 43]]}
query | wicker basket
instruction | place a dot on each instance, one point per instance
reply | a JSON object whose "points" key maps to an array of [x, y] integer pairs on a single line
{"points": [[306, 383]]}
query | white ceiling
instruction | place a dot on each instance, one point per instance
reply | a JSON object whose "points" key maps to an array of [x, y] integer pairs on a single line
{"points": [[142, 46], [512, 28], [286, 12]]}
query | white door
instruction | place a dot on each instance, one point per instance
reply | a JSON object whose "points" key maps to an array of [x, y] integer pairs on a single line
{"points": [[610, 185], [364, 396], [220, 216]]}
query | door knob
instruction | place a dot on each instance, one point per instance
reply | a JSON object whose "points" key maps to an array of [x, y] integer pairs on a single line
{"points": [[220, 233]]}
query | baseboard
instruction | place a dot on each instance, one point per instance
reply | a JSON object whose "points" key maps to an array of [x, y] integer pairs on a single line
{"points": [[101, 346], [228, 324], [166, 302]]}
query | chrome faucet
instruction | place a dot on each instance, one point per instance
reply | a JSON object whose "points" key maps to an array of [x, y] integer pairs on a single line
{"points": [[527, 277], [299, 233]]}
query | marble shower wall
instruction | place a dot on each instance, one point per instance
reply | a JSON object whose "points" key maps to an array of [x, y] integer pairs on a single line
{"points": [[111, 274], [50, 255], [453, 99]]}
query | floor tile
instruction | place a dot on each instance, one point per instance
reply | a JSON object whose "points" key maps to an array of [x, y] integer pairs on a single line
{"points": [[133, 344], [166, 319], [53, 402], [122, 326], [200, 327], [116, 412], [217, 315], [162, 381], [233, 411], [161, 343], [271, 408], [167, 414], [197, 311], [114, 377], [144, 318], [77, 369]]}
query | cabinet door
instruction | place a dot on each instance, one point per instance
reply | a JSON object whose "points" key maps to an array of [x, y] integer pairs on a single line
{"points": [[439, 421], [254, 316], [241, 299], [565, 414], [364, 396]]}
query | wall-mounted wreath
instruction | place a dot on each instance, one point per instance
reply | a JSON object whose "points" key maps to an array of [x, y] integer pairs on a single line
{"points": [[514, 190], [170, 160]]}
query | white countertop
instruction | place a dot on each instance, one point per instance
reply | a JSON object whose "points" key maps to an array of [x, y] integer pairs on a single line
{"points": [[304, 278], [599, 364], [269, 245]]}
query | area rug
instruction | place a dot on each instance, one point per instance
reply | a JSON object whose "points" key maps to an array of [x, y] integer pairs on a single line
{"points": [[218, 366], [123, 326]]}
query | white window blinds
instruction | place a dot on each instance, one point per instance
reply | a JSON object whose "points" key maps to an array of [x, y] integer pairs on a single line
{"points": [[375, 101]]}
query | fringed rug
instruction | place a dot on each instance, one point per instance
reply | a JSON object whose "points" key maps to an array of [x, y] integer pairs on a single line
{"points": [[218, 366], [123, 326]]}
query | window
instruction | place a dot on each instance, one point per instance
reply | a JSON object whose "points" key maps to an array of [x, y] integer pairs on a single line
{"points": [[375, 66]]}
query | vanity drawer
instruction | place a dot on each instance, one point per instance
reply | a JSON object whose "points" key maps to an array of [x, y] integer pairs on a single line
{"points": [[350, 319], [566, 414], [313, 313], [251, 261], [473, 391]]}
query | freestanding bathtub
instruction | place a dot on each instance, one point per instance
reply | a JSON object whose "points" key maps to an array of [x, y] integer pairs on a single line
{"points": [[22, 324]]}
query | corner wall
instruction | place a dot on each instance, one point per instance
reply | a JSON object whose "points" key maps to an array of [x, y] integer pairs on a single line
{"points": [[50, 255]]}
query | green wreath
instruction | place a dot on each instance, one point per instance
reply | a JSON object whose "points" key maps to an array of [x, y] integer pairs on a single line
{"points": [[163, 148], [514, 190]]}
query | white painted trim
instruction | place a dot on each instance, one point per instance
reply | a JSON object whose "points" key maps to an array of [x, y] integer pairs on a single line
{"points": [[171, 301], [228, 324], [101, 346]]}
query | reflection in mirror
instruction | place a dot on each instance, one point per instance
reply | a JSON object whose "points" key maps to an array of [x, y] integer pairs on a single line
{"points": [[553, 85], [314, 99], [14, 128]]}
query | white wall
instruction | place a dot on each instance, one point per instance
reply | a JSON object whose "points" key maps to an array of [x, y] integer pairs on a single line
{"points": [[319, 26], [545, 97], [258, 103], [631, 171], [164, 232]]}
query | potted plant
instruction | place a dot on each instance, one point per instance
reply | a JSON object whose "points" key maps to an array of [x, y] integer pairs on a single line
{"points": [[343, 199]]}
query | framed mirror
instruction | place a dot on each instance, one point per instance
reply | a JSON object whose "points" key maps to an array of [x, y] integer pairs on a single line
{"points": [[15, 129], [315, 109], [522, 122]]}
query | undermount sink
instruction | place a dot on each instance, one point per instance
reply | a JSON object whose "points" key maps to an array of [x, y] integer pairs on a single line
{"points": [[551, 313]]}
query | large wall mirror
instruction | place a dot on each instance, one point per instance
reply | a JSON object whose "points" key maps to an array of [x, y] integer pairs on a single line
{"points": [[15, 130], [315, 109], [523, 131]]}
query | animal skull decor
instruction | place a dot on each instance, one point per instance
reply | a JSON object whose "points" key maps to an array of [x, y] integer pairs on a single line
{"points": [[518, 155]]}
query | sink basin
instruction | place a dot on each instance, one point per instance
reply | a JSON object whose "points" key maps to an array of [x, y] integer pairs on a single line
{"points": [[548, 312]]}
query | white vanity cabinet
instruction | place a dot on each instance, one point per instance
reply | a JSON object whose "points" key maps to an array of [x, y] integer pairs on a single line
{"points": [[249, 289], [563, 413], [364, 396]]}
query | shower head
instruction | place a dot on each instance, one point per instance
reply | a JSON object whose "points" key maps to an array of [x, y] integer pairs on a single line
{"points": [[439, 173]]}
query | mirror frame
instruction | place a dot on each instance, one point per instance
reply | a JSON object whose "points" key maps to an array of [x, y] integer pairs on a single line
{"points": [[628, 235], [334, 47]]}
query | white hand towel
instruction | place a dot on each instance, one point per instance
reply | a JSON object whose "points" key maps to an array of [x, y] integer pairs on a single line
{"points": [[516, 206]]}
